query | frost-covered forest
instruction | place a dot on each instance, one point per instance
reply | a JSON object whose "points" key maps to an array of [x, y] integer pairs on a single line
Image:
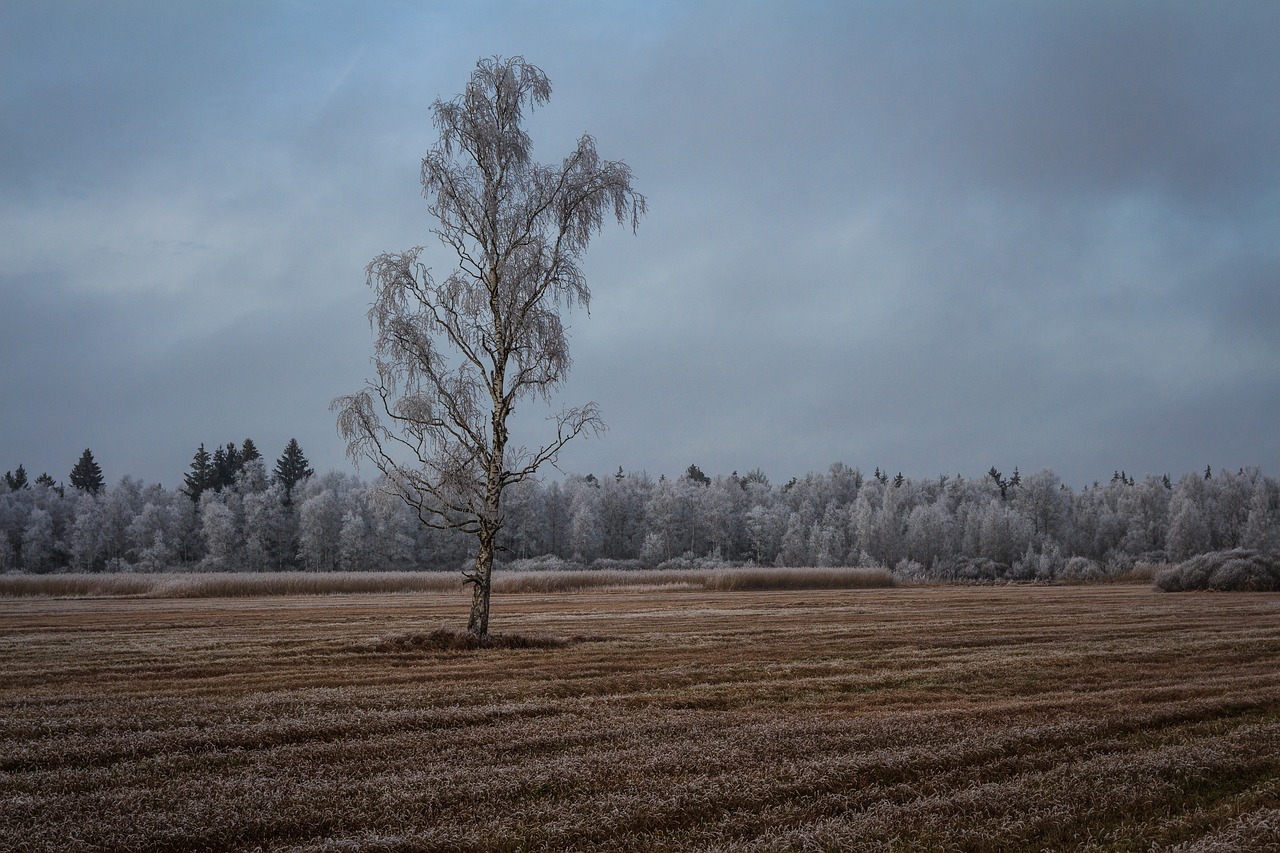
{"points": [[235, 513]]}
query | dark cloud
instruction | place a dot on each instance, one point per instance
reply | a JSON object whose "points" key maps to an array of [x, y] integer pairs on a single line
{"points": [[931, 237]]}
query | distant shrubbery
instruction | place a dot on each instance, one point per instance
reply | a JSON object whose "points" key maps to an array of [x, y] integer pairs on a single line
{"points": [[1236, 570]]}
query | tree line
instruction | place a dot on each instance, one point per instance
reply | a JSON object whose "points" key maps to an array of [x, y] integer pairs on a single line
{"points": [[234, 514]]}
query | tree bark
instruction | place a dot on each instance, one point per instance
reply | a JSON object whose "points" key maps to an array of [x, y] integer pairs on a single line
{"points": [[490, 525], [482, 582]]}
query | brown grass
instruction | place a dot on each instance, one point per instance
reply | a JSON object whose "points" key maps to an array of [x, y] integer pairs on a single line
{"points": [[256, 584], [978, 718]]}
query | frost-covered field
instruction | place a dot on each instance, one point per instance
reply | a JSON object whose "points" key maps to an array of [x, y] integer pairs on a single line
{"points": [[978, 718]]}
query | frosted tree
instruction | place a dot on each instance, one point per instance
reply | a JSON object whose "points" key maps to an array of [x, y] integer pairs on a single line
{"points": [[878, 521], [38, 542], [794, 549], [1144, 509], [353, 542], [222, 529], [85, 540], [455, 356], [152, 534], [766, 522], [929, 535], [1043, 502], [621, 514], [1189, 530], [586, 535], [120, 505], [722, 517], [662, 510], [524, 522], [320, 527], [1006, 534], [391, 530], [828, 544], [266, 540], [1262, 528], [1230, 496]]}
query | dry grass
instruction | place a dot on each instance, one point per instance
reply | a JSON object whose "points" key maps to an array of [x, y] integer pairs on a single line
{"points": [[977, 718], [255, 584]]}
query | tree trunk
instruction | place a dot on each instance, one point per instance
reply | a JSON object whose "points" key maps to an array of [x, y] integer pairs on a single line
{"points": [[482, 582], [490, 524]]}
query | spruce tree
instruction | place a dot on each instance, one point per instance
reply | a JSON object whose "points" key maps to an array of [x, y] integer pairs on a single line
{"points": [[16, 479], [292, 468], [86, 475], [227, 463], [694, 473], [201, 475], [248, 452], [218, 469]]}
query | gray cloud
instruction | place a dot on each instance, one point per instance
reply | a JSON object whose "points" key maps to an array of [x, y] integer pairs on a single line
{"points": [[923, 236]]}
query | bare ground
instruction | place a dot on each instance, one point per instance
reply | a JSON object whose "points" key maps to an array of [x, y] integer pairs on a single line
{"points": [[1005, 718]]}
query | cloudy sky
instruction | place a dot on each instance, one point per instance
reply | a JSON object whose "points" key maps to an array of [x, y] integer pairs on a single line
{"points": [[926, 236]]}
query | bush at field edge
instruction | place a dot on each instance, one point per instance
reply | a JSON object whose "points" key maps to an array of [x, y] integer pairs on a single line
{"points": [[1239, 570]]}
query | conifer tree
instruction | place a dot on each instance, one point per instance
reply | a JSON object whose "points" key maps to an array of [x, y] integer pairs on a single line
{"points": [[292, 468], [16, 479], [86, 475], [694, 473], [218, 468], [248, 452], [227, 463], [200, 477]]}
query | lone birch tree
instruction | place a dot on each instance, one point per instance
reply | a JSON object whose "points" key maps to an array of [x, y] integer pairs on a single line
{"points": [[454, 357]]}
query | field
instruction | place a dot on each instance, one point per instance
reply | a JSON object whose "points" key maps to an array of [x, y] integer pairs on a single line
{"points": [[663, 718]]}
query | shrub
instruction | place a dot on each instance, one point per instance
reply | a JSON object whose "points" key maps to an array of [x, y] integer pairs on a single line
{"points": [[1238, 570], [1079, 569], [605, 564], [911, 571], [544, 563], [972, 569]]}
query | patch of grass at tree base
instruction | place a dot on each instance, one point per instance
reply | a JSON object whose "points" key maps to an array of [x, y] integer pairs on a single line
{"points": [[445, 640]]}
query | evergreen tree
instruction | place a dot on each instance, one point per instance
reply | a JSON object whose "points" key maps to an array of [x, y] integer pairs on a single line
{"points": [[1000, 481], [201, 475], [248, 452], [694, 473], [45, 480], [292, 468], [218, 469], [227, 463], [16, 479], [86, 475]]}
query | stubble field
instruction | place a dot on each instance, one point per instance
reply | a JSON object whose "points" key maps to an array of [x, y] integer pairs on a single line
{"points": [[981, 718]]}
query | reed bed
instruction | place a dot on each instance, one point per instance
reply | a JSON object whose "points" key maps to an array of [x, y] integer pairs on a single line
{"points": [[252, 584], [943, 718], [225, 584]]}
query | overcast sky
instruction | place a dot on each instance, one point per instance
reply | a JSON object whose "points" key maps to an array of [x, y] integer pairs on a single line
{"points": [[931, 237]]}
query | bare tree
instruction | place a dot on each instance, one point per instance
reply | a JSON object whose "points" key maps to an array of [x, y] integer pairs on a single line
{"points": [[454, 357]]}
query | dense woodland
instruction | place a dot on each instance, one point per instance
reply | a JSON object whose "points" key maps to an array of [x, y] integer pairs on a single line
{"points": [[237, 513]]}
